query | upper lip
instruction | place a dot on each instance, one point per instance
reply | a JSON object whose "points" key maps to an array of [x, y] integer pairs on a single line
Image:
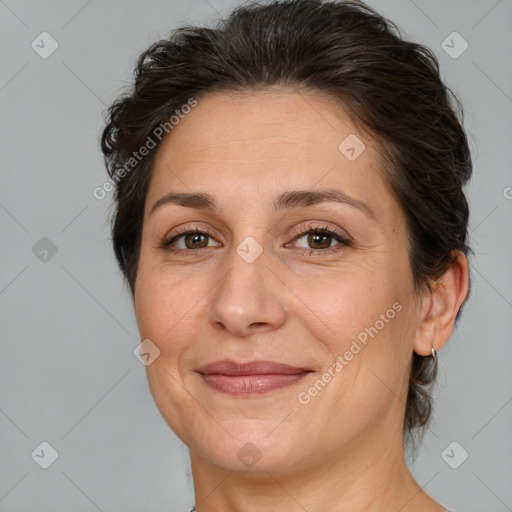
{"points": [[228, 367]]}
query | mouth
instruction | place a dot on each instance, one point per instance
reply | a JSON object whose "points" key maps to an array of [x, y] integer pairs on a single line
{"points": [[252, 378]]}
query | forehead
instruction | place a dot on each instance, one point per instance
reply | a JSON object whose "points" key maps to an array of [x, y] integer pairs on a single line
{"points": [[249, 120], [261, 142]]}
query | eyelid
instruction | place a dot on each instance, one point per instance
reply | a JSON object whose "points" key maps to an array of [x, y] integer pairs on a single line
{"points": [[320, 226], [181, 231], [343, 241]]}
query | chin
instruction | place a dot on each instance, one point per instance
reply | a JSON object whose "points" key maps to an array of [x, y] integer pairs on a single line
{"points": [[249, 448]]}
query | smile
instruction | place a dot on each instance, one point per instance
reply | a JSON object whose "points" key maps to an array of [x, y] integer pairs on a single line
{"points": [[246, 379]]}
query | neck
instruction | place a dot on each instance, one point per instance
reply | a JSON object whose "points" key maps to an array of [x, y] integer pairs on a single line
{"points": [[369, 476]]}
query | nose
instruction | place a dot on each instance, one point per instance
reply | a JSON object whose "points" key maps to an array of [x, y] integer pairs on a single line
{"points": [[249, 297]]}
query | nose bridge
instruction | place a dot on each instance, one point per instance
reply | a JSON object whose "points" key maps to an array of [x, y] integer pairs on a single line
{"points": [[245, 296], [244, 280]]}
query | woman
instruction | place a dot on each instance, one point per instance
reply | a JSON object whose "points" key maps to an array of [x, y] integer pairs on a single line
{"points": [[291, 222]]}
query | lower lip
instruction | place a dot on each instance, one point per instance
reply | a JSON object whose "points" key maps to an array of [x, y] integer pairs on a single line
{"points": [[246, 385]]}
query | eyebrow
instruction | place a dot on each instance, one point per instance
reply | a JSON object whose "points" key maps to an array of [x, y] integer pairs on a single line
{"points": [[285, 201]]}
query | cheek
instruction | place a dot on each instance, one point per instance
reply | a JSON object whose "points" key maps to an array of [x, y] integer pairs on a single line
{"points": [[164, 306], [164, 310], [361, 317], [343, 305]]}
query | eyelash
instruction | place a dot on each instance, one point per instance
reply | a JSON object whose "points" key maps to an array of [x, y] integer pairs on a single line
{"points": [[167, 242]]}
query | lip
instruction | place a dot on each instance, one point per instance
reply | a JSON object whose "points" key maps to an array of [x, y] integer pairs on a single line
{"points": [[254, 377]]}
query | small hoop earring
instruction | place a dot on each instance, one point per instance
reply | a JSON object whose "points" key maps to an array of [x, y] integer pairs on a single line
{"points": [[434, 353]]}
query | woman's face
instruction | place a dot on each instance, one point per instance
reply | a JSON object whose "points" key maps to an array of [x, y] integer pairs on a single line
{"points": [[256, 284]]}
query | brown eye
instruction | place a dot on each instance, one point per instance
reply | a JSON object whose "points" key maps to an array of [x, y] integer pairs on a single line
{"points": [[189, 241], [320, 239], [195, 240]]}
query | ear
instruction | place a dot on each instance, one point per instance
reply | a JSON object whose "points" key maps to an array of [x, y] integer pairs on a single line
{"points": [[439, 307]]}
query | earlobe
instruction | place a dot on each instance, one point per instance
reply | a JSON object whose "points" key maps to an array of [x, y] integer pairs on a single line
{"points": [[440, 307]]}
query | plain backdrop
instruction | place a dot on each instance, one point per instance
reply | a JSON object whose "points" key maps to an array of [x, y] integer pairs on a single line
{"points": [[68, 374]]}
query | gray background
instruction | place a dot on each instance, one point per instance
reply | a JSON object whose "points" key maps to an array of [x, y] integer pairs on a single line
{"points": [[68, 374]]}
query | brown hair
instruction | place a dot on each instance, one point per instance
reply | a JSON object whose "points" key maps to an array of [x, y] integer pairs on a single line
{"points": [[391, 88]]}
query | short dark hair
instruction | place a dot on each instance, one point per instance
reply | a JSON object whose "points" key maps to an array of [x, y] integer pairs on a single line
{"points": [[391, 88]]}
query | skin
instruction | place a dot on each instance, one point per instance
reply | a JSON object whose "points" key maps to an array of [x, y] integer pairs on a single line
{"points": [[343, 451]]}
